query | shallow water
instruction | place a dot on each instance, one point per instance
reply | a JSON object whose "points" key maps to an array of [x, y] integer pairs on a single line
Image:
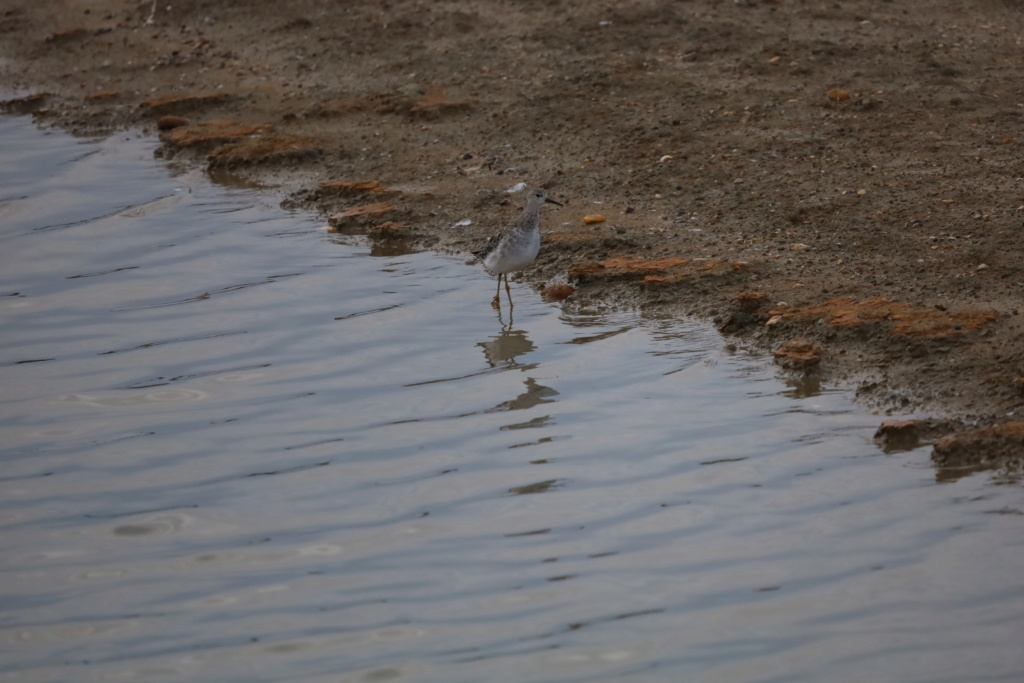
{"points": [[238, 448]]}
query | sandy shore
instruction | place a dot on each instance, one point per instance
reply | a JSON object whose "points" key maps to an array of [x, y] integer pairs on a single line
{"points": [[840, 184]]}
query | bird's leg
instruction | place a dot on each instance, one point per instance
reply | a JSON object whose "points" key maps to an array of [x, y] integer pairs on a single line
{"points": [[496, 301], [508, 290]]}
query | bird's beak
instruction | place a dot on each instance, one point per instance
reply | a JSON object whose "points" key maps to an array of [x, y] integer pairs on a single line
{"points": [[552, 201]]}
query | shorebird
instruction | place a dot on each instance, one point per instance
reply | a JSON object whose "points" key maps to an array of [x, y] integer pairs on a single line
{"points": [[516, 246]]}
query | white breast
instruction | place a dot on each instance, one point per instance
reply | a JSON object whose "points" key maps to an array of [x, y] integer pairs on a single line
{"points": [[515, 255]]}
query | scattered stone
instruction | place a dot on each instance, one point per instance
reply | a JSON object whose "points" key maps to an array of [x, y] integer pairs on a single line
{"points": [[557, 292], [170, 122], [593, 218], [837, 95], [798, 353]]}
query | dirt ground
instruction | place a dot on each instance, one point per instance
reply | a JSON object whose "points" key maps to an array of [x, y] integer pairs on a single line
{"points": [[838, 183]]}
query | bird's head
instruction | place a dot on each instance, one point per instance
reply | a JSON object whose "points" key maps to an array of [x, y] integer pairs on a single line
{"points": [[539, 195]]}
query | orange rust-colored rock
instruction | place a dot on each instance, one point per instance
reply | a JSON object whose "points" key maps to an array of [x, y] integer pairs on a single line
{"points": [[837, 95], [798, 352], [908, 320], [751, 301], [169, 103], [364, 210], [929, 323], [557, 292], [998, 446], [360, 186], [593, 218], [896, 427], [102, 95], [210, 132], [264, 147], [170, 122]]}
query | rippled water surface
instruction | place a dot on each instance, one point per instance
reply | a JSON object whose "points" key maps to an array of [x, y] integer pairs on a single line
{"points": [[239, 448]]}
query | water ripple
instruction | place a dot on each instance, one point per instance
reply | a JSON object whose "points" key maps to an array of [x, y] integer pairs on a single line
{"points": [[364, 473]]}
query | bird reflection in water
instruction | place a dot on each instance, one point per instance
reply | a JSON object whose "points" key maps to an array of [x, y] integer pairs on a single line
{"points": [[534, 395], [502, 351]]}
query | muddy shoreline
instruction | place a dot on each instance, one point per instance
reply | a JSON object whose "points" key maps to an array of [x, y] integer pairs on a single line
{"points": [[840, 185]]}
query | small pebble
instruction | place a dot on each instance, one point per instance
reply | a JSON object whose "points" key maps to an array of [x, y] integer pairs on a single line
{"points": [[169, 122]]}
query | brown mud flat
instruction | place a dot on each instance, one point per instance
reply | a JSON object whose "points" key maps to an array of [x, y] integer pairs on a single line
{"points": [[840, 184]]}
